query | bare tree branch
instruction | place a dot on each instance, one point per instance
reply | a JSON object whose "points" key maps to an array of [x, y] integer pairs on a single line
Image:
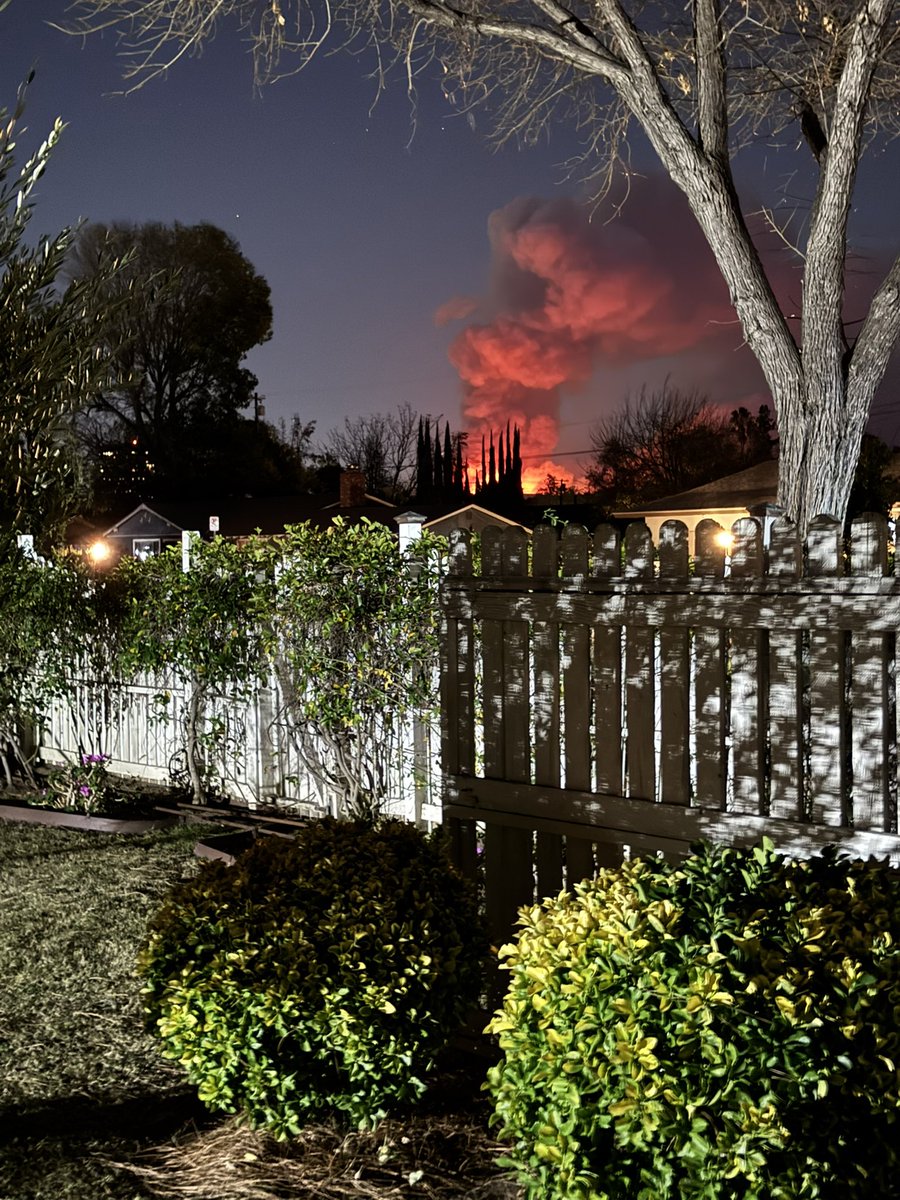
{"points": [[701, 80]]}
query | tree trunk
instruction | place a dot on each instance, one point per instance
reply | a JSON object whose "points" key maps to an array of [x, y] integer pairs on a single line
{"points": [[820, 442], [196, 764]]}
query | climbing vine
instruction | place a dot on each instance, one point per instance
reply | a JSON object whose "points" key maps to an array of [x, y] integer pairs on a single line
{"points": [[339, 622], [355, 651]]}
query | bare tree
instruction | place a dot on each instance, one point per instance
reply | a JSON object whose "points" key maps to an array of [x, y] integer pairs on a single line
{"points": [[383, 446], [666, 441], [700, 79]]}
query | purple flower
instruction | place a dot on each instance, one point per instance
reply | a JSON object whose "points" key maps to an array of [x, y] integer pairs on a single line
{"points": [[88, 759], [84, 790]]}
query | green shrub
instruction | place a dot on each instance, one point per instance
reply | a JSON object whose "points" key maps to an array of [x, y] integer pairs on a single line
{"points": [[724, 1027], [317, 975]]}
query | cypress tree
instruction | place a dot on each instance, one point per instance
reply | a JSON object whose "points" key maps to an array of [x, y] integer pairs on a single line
{"points": [[424, 474], [438, 462]]}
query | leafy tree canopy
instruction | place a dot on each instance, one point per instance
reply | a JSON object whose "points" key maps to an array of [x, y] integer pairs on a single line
{"points": [[189, 308]]}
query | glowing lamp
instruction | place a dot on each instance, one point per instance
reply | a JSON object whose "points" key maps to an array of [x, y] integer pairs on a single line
{"points": [[725, 540], [98, 552]]}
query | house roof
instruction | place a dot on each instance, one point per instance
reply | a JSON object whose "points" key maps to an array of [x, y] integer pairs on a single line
{"points": [[238, 516], [741, 490], [143, 519], [464, 516]]}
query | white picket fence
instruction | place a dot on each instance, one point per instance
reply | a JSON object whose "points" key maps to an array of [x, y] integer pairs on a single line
{"points": [[258, 764]]}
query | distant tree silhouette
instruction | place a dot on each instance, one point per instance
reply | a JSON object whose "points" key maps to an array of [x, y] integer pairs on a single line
{"points": [[668, 441], [442, 470], [499, 485], [383, 446], [189, 306]]}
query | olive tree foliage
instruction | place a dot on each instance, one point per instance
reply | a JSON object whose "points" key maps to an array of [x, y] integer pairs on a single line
{"points": [[700, 79], [51, 360]]}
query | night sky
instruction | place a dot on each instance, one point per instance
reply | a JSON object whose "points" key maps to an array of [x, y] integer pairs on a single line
{"points": [[417, 265]]}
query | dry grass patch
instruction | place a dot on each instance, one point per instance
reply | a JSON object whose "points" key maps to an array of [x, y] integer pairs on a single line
{"points": [[440, 1158]]}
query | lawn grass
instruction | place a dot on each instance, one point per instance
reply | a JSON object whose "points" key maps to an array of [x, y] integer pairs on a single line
{"points": [[89, 1110], [80, 1079]]}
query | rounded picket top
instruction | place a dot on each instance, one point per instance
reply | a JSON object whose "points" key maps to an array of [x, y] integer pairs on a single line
{"points": [[869, 545], [711, 543], [607, 556], [492, 551], [785, 550], [747, 559], [515, 551], [459, 559], [574, 552], [674, 550], [824, 547], [638, 551], [545, 552]]}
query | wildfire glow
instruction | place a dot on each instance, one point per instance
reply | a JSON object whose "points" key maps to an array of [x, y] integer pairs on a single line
{"points": [[570, 294], [534, 477]]}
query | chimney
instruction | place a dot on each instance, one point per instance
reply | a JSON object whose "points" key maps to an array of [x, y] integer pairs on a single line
{"points": [[353, 488]]}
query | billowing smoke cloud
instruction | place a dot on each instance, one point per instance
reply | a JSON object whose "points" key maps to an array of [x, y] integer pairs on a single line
{"points": [[569, 295]]}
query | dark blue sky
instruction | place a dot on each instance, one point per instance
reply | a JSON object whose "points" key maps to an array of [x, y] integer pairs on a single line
{"points": [[364, 235]]}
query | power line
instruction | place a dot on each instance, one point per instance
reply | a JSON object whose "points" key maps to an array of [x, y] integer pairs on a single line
{"points": [[558, 454]]}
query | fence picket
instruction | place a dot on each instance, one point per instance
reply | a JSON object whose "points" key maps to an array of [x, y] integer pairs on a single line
{"points": [[868, 746], [748, 680], [786, 787], [640, 698], [674, 675], [548, 846], [457, 694], [828, 776], [507, 849]]}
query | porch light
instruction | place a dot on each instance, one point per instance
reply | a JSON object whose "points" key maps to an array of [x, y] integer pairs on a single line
{"points": [[98, 552]]}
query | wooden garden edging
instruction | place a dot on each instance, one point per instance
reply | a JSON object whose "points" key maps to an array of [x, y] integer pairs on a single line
{"points": [[59, 819]]}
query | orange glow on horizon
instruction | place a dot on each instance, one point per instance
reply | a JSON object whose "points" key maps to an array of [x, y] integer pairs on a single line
{"points": [[534, 478]]}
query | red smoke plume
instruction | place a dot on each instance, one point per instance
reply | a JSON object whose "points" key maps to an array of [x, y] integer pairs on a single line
{"points": [[569, 294]]}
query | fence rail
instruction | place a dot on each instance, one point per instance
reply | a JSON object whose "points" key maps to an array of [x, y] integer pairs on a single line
{"points": [[602, 695]]}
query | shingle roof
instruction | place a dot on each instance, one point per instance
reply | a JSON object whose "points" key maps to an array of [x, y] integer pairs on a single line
{"points": [[743, 489]]}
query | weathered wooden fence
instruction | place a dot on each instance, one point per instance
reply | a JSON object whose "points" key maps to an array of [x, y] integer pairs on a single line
{"points": [[603, 697]]}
